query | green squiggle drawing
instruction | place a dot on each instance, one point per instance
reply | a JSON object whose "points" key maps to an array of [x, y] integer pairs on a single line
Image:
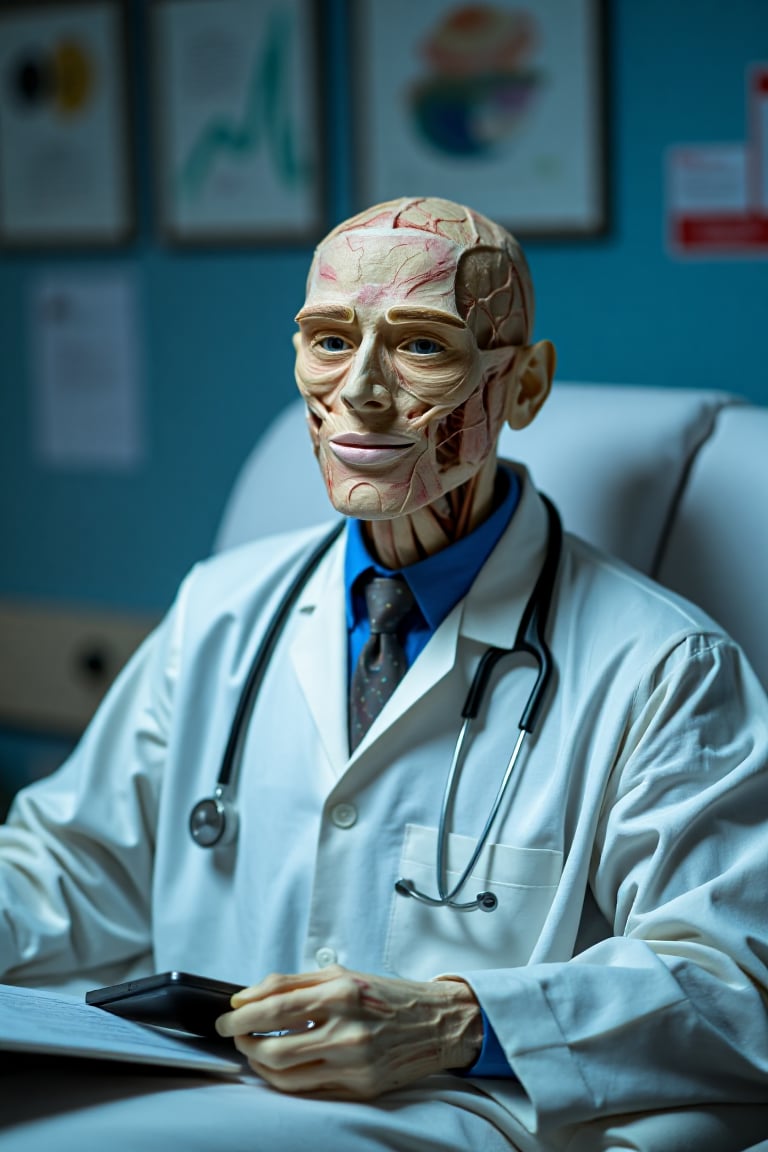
{"points": [[266, 121]]}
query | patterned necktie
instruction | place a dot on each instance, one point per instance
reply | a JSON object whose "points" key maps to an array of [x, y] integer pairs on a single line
{"points": [[382, 662]]}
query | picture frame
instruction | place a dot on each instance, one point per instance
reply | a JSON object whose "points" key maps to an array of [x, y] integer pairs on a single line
{"points": [[238, 111], [66, 164], [500, 106]]}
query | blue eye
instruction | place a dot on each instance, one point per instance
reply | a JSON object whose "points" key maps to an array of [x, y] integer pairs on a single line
{"points": [[334, 344], [423, 346]]}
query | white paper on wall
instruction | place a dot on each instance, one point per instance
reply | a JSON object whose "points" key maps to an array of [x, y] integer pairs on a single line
{"points": [[83, 332], [717, 194]]}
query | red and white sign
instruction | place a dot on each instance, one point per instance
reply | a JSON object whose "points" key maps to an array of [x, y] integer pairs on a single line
{"points": [[717, 194]]}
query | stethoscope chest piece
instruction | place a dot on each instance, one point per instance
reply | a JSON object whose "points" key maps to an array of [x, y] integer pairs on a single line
{"points": [[213, 821]]}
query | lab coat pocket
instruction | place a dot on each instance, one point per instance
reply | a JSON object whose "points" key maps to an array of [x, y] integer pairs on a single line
{"points": [[424, 941]]}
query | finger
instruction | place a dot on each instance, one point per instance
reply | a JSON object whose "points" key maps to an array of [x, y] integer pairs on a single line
{"points": [[292, 1004], [283, 1003], [279, 982], [304, 1078], [319, 1080], [281, 1051], [314, 1076], [344, 1049], [264, 1017]]}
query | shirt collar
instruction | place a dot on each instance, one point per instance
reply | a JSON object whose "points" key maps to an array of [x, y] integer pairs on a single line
{"points": [[441, 580]]}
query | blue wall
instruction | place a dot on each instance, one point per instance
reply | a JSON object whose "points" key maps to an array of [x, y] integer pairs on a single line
{"points": [[217, 324]]}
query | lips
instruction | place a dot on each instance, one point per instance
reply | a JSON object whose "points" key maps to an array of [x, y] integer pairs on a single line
{"points": [[370, 449]]}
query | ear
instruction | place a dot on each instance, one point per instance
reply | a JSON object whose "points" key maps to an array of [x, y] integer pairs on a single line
{"points": [[530, 382]]}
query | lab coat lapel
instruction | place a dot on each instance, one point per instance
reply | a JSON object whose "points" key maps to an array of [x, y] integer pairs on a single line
{"points": [[319, 655], [319, 658], [489, 614], [496, 601]]}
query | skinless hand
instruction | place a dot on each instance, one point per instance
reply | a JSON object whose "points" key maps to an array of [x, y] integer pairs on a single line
{"points": [[369, 1034]]}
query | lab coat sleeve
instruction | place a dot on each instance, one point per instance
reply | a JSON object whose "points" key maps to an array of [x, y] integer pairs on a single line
{"points": [[671, 1009], [76, 852]]}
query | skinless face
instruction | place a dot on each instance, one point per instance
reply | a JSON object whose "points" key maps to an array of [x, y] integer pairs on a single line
{"points": [[403, 406]]}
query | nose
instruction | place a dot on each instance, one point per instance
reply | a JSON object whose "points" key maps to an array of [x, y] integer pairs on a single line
{"points": [[365, 388]]}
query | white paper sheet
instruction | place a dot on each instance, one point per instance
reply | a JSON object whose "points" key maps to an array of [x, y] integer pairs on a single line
{"points": [[36, 1021], [704, 179], [84, 337]]}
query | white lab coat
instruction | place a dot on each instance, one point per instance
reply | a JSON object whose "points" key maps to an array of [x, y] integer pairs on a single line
{"points": [[625, 966]]}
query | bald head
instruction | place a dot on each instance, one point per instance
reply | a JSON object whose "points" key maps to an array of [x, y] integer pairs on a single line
{"points": [[491, 282], [413, 351]]}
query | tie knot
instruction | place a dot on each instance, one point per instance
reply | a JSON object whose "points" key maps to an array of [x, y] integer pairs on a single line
{"points": [[389, 600]]}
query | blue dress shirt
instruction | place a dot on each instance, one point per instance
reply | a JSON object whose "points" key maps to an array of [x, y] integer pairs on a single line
{"points": [[437, 584]]}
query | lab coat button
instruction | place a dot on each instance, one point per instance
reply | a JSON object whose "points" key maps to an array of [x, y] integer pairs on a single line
{"points": [[344, 815], [325, 957]]}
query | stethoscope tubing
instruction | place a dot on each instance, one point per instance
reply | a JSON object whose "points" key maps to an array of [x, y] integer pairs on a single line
{"points": [[264, 655], [213, 821], [530, 639]]}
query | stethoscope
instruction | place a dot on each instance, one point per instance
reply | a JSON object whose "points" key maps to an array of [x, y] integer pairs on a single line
{"points": [[213, 822]]}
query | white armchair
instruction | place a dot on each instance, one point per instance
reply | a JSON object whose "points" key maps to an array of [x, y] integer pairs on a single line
{"points": [[670, 480]]}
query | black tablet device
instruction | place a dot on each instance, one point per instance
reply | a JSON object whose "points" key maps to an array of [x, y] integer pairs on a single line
{"points": [[168, 999]]}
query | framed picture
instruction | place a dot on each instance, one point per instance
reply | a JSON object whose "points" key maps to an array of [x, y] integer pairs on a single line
{"points": [[497, 105], [65, 170], [237, 101]]}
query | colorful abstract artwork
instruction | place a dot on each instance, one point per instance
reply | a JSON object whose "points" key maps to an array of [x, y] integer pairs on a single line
{"points": [[479, 79], [500, 105]]}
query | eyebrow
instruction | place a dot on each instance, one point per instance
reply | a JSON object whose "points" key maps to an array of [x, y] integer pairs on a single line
{"points": [[341, 312], [405, 315]]}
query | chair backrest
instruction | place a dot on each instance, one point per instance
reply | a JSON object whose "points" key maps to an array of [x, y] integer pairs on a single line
{"points": [[670, 480], [717, 554], [616, 459], [278, 487]]}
